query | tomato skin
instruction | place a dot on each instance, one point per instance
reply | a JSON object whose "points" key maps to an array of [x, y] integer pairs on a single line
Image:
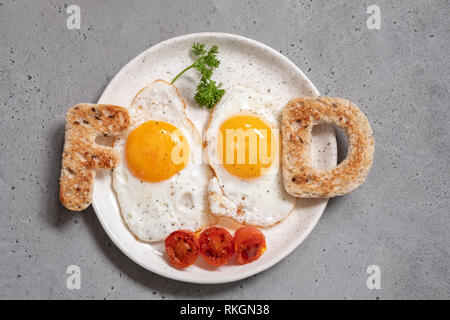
{"points": [[249, 244], [182, 247], [216, 246]]}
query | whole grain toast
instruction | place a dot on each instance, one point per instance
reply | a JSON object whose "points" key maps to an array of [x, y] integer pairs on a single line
{"points": [[299, 117], [82, 156]]}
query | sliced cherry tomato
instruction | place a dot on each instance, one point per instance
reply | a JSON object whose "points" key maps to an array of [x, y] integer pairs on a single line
{"points": [[249, 244], [216, 246], [182, 248]]}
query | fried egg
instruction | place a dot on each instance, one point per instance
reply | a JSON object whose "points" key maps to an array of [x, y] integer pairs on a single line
{"points": [[161, 183], [243, 149]]}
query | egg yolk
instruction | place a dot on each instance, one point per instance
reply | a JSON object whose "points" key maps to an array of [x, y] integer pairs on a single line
{"points": [[156, 150], [245, 146]]}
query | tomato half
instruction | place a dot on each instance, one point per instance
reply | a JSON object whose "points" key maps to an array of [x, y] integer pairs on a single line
{"points": [[216, 246], [249, 244], [182, 248]]}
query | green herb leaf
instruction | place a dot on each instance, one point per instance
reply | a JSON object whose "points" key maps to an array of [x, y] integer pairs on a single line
{"points": [[210, 58], [208, 93], [198, 48], [204, 71]]}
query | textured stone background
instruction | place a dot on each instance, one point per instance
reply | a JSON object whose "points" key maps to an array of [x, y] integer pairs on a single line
{"points": [[399, 75]]}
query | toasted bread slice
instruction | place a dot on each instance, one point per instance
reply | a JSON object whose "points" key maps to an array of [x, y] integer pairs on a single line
{"points": [[299, 117], [81, 155]]}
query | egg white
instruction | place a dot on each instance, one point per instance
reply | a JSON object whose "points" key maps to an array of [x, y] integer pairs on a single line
{"points": [[260, 201], [152, 211]]}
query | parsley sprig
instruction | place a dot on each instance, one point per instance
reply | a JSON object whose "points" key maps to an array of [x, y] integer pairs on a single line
{"points": [[208, 92]]}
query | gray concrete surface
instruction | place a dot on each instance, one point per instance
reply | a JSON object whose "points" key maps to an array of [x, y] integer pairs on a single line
{"points": [[399, 75]]}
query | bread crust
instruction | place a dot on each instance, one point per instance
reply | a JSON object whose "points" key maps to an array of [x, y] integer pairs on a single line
{"points": [[82, 156], [299, 117]]}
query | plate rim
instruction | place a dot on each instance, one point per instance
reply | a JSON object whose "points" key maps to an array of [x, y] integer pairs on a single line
{"points": [[250, 272]]}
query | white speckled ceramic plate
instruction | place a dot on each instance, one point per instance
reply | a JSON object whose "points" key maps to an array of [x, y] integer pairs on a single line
{"points": [[242, 61]]}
